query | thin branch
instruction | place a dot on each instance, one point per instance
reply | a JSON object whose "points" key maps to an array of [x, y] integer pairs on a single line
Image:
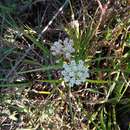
{"points": [[53, 18]]}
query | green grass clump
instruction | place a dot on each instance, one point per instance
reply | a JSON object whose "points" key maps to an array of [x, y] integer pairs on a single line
{"points": [[35, 94]]}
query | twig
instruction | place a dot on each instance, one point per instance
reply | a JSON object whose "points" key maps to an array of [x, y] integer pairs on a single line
{"points": [[103, 9], [53, 18]]}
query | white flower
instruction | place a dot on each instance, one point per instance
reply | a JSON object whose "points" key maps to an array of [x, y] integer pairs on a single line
{"points": [[57, 48], [64, 48], [68, 48], [75, 73]]}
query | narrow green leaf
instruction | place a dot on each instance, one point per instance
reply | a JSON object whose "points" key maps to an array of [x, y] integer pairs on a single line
{"points": [[15, 85], [44, 68]]}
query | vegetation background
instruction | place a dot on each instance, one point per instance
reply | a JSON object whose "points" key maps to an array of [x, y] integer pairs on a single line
{"points": [[32, 92]]}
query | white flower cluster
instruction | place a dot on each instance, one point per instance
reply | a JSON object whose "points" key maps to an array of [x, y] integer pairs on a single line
{"points": [[64, 48], [75, 74]]}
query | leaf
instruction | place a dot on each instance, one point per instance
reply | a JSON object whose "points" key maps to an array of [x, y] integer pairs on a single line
{"points": [[44, 68], [15, 85], [25, 129]]}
